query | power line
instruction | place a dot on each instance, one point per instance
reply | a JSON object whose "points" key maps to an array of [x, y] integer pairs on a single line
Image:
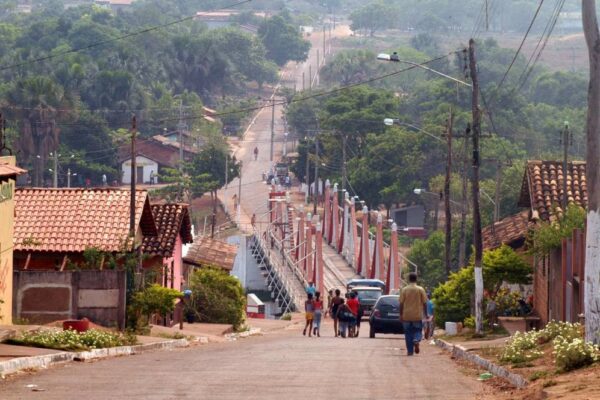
{"points": [[537, 11], [117, 38]]}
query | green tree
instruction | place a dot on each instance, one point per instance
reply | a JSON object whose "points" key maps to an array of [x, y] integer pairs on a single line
{"points": [[217, 297], [428, 254], [373, 17], [283, 41]]}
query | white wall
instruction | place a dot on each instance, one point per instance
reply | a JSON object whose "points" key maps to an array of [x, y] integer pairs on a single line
{"points": [[148, 164]]}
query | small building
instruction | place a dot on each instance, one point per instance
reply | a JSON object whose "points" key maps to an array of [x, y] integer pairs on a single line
{"points": [[54, 227], [511, 231], [225, 18], [8, 175], [556, 286], [206, 252], [152, 156], [174, 230]]}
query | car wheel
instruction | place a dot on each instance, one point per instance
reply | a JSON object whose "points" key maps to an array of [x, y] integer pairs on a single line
{"points": [[372, 333]]}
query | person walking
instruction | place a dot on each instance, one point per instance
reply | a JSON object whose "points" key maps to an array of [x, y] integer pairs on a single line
{"points": [[253, 220], [428, 322], [344, 316], [311, 288], [333, 309], [318, 307], [413, 307], [309, 309], [256, 153], [354, 306]]}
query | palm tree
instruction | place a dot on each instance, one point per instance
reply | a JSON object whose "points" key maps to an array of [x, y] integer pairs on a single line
{"points": [[37, 102]]}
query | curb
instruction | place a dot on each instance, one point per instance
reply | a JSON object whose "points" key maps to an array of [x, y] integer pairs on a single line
{"points": [[460, 352], [244, 334], [45, 361]]}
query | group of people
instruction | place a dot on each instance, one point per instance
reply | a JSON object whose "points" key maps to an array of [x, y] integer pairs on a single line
{"points": [[416, 313], [346, 312]]}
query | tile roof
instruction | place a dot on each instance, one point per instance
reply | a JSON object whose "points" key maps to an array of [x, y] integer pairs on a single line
{"points": [[7, 169], [171, 220], [206, 251], [69, 220], [509, 231], [542, 187]]}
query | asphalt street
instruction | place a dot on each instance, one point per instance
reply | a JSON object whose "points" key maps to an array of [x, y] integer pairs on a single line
{"points": [[280, 365]]}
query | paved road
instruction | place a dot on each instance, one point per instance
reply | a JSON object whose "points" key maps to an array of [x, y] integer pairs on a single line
{"points": [[281, 365]]}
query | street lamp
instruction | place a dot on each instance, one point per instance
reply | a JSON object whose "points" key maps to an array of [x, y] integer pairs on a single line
{"points": [[392, 121], [395, 58]]}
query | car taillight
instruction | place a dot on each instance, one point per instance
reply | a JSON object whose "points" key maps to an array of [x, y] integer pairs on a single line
{"points": [[376, 313]]}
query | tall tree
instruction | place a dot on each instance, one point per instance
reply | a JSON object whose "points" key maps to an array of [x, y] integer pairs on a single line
{"points": [[283, 41], [592, 254]]}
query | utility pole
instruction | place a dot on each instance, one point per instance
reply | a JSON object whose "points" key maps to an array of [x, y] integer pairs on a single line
{"points": [[180, 127], [499, 167], [462, 247], [477, 240], [318, 67], [448, 239], [344, 178], [316, 191], [272, 125], [487, 16], [566, 140], [226, 179], [324, 42], [68, 177], [133, 182], [303, 83], [55, 170], [307, 176], [310, 77], [592, 253], [239, 210]]}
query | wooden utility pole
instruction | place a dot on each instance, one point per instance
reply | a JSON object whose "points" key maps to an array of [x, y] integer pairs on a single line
{"points": [[344, 163], [499, 166], [307, 176], [477, 240], [316, 191], [592, 254], [566, 141], [487, 16], [448, 225], [133, 182], [55, 170], [462, 247], [272, 126]]}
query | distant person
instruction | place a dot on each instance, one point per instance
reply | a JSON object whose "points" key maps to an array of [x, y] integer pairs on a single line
{"points": [[235, 201], [104, 181], [253, 220], [88, 182], [255, 153], [318, 307], [152, 177], [333, 309], [311, 289], [345, 317], [287, 182], [413, 308], [309, 309], [428, 321], [354, 306], [329, 298]]}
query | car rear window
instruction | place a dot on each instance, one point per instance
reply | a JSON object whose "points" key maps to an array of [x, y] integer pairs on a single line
{"points": [[392, 301], [368, 294]]}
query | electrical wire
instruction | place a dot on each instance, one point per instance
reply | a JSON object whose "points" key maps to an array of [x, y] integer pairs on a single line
{"points": [[117, 38], [537, 11]]}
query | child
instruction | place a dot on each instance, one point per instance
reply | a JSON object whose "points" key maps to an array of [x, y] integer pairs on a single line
{"points": [[345, 316], [309, 308], [318, 307]]}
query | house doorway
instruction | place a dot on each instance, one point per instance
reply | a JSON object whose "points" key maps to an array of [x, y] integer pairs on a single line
{"points": [[139, 175]]}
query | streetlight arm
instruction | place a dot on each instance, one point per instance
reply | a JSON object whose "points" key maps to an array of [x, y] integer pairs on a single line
{"points": [[392, 121], [394, 58]]}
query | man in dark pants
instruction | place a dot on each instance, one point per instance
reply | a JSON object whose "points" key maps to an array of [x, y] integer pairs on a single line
{"points": [[413, 306]]}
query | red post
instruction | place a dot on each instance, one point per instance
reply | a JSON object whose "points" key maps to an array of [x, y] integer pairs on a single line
{"points": [[308, 269], [327, 211], [319, 259], [364, 256], [377, 271], [393, 270]]}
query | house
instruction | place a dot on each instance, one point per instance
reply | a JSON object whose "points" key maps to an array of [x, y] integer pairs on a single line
{"points": [[174, 230], [511, 231], [53, 227], [225, 18], [8, 175], [152, 156], [114, 5], [210, 252], [556, 283]]}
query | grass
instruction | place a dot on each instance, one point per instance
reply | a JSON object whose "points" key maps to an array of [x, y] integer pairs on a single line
{"points": [[71, 340]]}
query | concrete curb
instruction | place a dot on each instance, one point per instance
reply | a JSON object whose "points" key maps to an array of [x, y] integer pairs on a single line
{"points": [[42, 362], [460, 352], [244, 334]]}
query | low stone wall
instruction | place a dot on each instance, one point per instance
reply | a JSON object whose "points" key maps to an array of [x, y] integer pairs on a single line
{"points": [[460, 352]]}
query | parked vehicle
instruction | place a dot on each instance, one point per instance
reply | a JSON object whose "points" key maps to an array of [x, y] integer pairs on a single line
{"points": [[367, 297], [385, 317], [365, 282]]}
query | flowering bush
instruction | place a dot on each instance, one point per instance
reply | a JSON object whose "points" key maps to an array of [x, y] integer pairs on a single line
{"points": [[72, 340], [507, 302], [521, 347], [567, 330], [573, 354]]}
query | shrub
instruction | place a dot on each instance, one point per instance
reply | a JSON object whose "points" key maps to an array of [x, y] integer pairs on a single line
{"points": [[72, 340], [522, 347], [216, 297], [286, 317], [155, 299], [573, 354], [507, 302], [567, 330]]}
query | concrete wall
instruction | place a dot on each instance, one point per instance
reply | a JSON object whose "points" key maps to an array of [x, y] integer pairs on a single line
{"points": [[46, 296], [245, 267], [140, 161], [7, 222]]}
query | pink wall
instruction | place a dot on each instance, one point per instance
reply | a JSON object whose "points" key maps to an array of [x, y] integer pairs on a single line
{"points": [[177, 261]]}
